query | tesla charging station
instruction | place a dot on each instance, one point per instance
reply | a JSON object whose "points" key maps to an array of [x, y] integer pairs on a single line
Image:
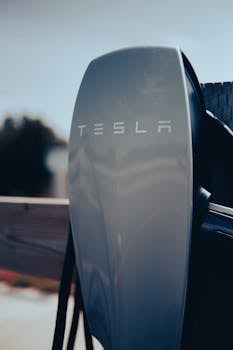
{"points": [[136, 160]]}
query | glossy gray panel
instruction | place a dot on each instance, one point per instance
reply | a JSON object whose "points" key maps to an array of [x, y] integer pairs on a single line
{"points": [[130, 174]]}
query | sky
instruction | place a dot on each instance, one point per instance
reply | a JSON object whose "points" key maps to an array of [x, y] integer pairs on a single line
{"points": [[46, 46]]}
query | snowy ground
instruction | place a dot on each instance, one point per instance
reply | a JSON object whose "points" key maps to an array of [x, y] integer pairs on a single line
{"points": [[27, 320]]}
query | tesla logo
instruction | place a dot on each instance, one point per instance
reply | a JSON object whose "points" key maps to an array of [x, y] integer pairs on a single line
{"points": [[164, 125], [97, 129]]}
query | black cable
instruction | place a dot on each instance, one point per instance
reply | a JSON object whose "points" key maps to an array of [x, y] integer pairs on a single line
{"points": [[88, 338], [78, 307], [75, 319], [64, 292]]}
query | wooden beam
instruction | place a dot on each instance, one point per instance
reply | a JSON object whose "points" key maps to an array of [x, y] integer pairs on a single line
{"points": [[33, 234]]}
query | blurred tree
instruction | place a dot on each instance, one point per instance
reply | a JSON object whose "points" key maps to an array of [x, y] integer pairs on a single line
{"points": [[23, 146]]}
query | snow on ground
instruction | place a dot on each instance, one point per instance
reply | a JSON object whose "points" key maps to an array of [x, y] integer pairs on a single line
{"points": [[27, 320]]}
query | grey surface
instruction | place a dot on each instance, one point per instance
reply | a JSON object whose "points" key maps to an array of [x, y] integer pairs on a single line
{"points": [[131, 197], [27, 320]]}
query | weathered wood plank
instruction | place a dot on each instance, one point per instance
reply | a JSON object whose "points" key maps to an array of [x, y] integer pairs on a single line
{"points": [[33, 233]]}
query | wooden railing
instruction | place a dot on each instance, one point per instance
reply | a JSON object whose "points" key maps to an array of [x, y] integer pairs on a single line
{"points": [[33, 233]]}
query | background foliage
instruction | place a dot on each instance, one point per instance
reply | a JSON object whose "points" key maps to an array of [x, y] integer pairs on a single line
{"points": [[23, 147]]}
